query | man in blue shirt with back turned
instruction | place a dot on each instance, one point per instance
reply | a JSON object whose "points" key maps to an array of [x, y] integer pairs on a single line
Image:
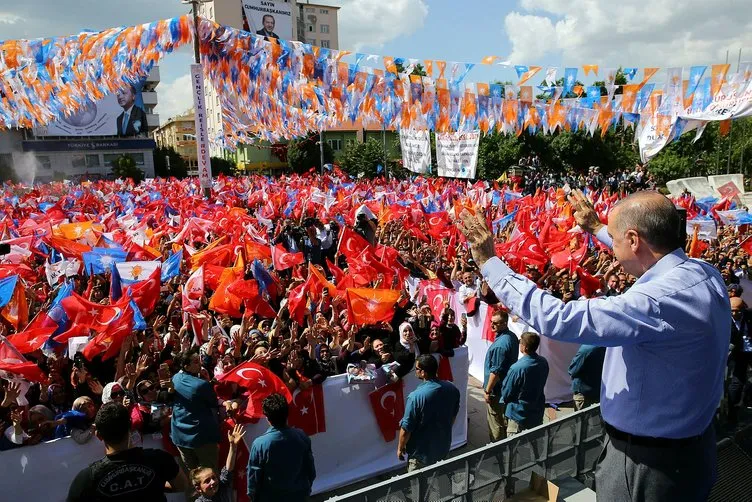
{"points": [[501, 355], [426, 427], [667, 342], [522, 390], [280, 465]]}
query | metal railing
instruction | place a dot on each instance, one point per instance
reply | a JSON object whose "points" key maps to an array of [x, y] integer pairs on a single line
{"points": [[568, 446]]}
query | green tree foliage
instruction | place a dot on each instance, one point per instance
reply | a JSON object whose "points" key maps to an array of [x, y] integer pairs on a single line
{"points": [[222, 166], [177, 165], [125, 167], [418, 70], [363, 158], [304, 154]]}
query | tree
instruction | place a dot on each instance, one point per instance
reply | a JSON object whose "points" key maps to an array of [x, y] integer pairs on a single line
{"points": [[222, 166], [304, 154], [176, 166], [363, 158], [496, 152], [418, 70], [125, 167]]}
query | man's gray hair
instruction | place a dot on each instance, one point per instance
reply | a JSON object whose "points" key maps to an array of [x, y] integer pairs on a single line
{"points": [[654, 217]]}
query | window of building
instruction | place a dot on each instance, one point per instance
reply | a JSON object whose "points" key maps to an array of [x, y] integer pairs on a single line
{"points": [[92, 160], [78, 160], [312, 41], [324, 11], [138, 158], [310, 9], [324, 28], [44, 161], [311, 28], [109, 158], [325, 43], [336, 144]]}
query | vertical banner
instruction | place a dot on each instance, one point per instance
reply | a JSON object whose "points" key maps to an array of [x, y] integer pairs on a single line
{"points": [[457, 154], [202, 134], [269, 19], [416, 150]]}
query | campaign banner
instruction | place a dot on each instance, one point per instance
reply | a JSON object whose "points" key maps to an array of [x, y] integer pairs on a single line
{"points": [[202, 130], [416, 150], [731, 102], [457, 154], [120, 114], [269, 19]]}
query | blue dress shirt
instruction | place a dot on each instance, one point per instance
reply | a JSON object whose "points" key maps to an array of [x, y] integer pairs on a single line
{"points": [[522, 391], [501, 355], [429, 415], [667, 340], [281, 466]]}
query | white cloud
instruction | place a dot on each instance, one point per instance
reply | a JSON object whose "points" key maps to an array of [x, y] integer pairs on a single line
{"points": [[9, 18], [174, 97], [372, 23], [630, 32]]}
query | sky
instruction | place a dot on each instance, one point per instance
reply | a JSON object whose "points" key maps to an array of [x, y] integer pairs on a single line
{"points": [[548, 33]]}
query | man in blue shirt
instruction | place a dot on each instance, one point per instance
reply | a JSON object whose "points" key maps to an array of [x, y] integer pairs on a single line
{"points": [[501, 355], [195, 424], [426, 428], [280, 464], [586, 369], [667, 341], [522, 390]]}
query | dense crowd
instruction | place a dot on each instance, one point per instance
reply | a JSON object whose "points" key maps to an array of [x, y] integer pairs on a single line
{"points": [[279, 266]]}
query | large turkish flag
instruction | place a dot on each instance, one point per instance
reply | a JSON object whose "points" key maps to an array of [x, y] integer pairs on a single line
{"points": [[260, 383], [388, 403], [307, 410]]}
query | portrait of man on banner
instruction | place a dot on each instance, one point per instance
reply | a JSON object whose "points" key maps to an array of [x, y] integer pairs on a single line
{"points": [[267, 31], [132, 120]]}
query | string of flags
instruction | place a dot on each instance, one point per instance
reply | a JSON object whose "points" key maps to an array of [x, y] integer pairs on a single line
{"points": [[273, 89]]}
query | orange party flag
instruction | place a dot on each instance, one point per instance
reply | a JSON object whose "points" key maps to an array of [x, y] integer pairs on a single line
{"points": [[371, 306]]}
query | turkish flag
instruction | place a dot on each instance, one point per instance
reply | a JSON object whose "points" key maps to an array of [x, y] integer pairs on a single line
{"points": [[352, 244], [146, 293], [318, 283], [371, 306], [93, 315], [260, 307], [747, 246], [108, 342], [73, 330], [260, 383], [12, 361], [31, 339], [488, 334], [282, 260], [445, 369], [337, 273], [307, 410], [588, 284], [193, 291], [437, 300], [297, 301], [388, 404], [212, 276], [68, 247], [243, 288]]}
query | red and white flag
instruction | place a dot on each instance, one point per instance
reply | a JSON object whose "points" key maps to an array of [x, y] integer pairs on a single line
{"points": [[282, 260], [307, 410], [260, 383], [388, 404], [193, 291]]}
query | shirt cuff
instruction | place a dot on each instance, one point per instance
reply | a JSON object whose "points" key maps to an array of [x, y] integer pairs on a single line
{"points": [[496, 268], [603, 237]]}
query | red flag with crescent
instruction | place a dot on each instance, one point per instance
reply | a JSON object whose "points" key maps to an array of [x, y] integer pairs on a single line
{"points": [[388, 404], [282, 260], [260, 383], [307, 410]]}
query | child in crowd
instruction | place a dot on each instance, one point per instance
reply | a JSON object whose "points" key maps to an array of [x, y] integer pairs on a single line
{"points": [[204, 479]]}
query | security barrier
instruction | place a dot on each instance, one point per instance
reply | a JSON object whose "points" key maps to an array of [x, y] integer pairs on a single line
{"points": [[568, 446]]}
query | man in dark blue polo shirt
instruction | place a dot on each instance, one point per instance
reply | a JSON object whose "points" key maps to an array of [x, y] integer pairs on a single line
{"points": [[501, 355], [426, 428], [522, 390], [280, 465], [586, 369]]}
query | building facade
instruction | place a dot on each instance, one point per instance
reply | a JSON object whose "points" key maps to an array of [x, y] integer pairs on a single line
{"points": [[44, 158], [179, 133]]}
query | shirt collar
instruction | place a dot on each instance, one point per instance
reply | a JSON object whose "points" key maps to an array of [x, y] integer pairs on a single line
{"points": [[669, 261]]}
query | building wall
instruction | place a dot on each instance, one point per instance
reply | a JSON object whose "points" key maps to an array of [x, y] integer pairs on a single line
{"points": [[320, 22], [179, 133]]}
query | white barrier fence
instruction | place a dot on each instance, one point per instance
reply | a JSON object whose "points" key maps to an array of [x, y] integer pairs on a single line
{"points": [[351, 449]]}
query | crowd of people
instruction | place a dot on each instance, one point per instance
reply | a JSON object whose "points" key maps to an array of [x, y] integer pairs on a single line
{"points": [[267, 273]]}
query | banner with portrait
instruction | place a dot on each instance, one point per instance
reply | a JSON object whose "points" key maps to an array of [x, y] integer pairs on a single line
{"points": [[120, 114], [416, 150], [268, 18], [457, 154]]}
